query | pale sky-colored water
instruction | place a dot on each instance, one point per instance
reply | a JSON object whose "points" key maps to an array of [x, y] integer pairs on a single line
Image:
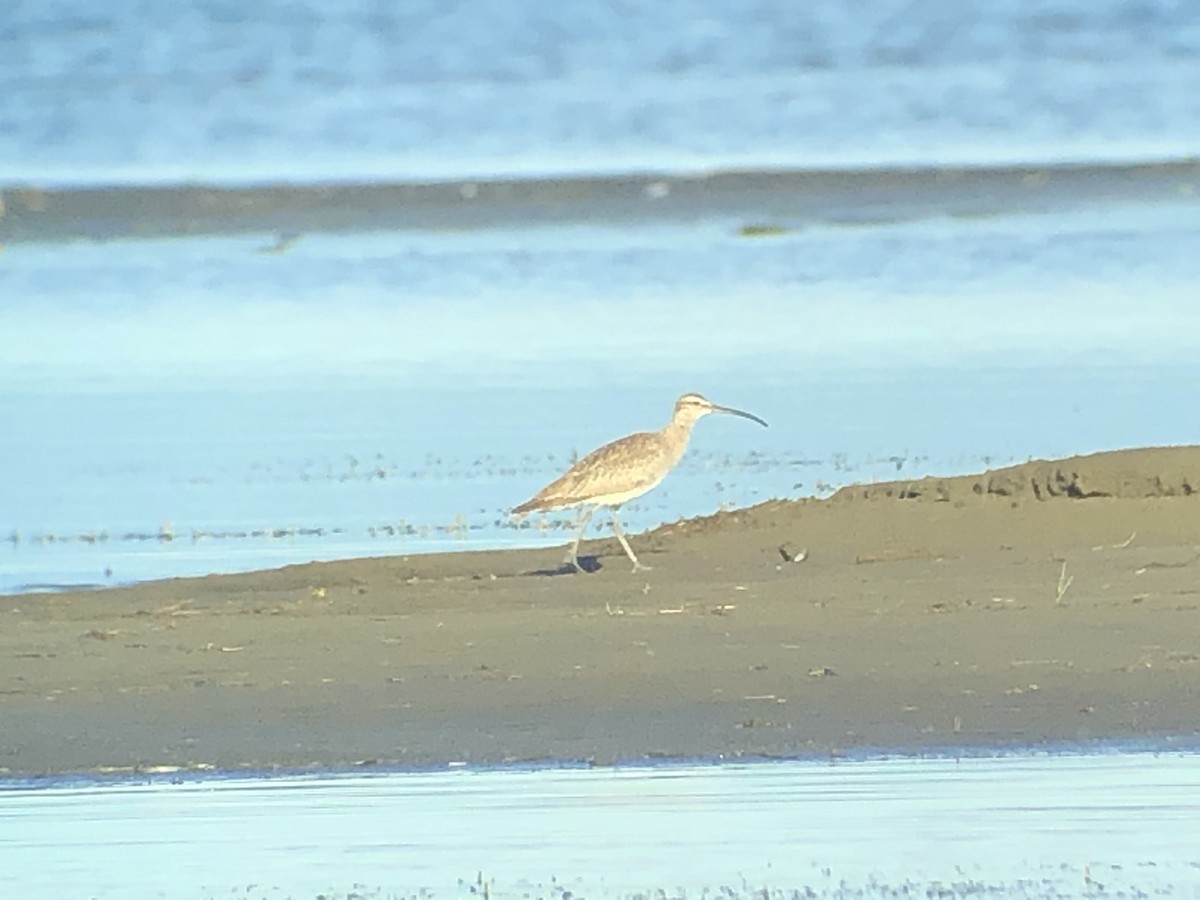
{"points": [[527, 305], [1024, 826]]}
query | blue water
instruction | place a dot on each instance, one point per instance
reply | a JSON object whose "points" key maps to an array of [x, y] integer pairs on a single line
{"points": [[138, 90], [1031, 826]]}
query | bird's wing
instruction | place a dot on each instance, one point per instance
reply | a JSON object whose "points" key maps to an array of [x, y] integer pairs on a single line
{"points": [[626, 464]]}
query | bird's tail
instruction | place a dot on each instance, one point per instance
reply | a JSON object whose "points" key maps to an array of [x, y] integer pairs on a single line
{"points": [[527, 507]]}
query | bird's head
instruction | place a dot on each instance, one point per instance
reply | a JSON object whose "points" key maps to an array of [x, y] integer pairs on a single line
{"points": [[691, 407]]}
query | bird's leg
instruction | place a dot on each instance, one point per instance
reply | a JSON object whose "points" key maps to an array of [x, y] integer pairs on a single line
{"points": [[573, 553], [616, 523]]}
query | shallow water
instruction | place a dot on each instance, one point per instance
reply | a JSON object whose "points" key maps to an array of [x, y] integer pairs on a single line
{"points": [[1029, 826], [176, 483]]}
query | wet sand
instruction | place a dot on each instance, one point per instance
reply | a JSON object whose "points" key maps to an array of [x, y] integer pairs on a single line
{"points": [[766, 202], [1043, 604]]}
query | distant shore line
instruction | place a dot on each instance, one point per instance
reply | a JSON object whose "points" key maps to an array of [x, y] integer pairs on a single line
{"points": [[766, 202]]}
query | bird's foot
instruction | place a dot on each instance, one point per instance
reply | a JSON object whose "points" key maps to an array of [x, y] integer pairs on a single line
{"points": [[640, 567]]}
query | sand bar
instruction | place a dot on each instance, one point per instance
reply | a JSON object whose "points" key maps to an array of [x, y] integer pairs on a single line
{"points": [[760, 203], [1044, 604]]}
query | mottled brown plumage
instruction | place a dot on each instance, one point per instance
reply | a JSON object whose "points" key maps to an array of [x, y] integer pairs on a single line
{"points": [[624, 469], [634, 463]]}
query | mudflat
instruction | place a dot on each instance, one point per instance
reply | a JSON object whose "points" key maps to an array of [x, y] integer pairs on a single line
{"points": [[1046, 603], [764, 198]]}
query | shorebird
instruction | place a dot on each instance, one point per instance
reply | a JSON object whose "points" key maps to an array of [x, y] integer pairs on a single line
{"points": [[626, 468]]}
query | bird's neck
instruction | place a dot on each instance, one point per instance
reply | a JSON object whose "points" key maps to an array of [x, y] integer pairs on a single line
{"points": [[678, 434]]}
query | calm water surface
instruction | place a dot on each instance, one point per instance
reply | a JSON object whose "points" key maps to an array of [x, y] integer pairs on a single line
{"points": [[1032, 826]]}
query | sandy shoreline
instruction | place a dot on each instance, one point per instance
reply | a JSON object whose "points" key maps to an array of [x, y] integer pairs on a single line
{"points": [[926, 615]]}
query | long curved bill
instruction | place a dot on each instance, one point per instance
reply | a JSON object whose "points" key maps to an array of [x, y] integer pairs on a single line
{"points": [[738, 412]]}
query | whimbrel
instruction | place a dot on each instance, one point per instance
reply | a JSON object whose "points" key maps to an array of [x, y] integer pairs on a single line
{"points": [[626, 468]]}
